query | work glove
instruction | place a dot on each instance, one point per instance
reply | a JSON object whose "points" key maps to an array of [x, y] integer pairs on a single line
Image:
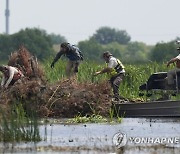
{"points": [[52, 65]]}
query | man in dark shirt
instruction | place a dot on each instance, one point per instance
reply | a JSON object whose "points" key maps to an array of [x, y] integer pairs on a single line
{"points": [[73, 54]]}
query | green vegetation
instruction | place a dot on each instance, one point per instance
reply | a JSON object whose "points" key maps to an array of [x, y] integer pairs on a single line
{"points": [[131, 53], [114, 113], [18, 126], [118, 42], [106, 35], [163, 52], [57, 39], [88, 119], [37, 41], [140, 62], [96, 118], [135, 75]]}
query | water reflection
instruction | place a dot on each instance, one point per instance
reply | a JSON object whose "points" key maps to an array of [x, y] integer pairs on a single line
{"points": [[98, 138]]}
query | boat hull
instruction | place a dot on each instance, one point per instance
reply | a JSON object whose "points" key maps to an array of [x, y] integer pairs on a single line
{"points": [[149, 109]]}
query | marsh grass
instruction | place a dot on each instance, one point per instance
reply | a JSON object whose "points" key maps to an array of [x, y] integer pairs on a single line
{"points": [[135, 76], [114, 114], [17, 126]]}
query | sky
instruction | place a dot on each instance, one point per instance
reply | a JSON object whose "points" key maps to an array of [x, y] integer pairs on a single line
{"points": [[148, 21]]}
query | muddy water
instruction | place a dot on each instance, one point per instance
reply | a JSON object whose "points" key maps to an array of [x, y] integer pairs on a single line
{"points": [[140, 136]]}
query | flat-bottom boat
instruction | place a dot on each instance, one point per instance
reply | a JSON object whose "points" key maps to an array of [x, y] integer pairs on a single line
{"points": [[148, 109]]}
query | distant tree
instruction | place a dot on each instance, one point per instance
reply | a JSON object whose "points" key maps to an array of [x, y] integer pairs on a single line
{"points": [[37, 41], [115, 48], [134, 47], [57, 39], [91, 50], [163, 52], [137, 52], [5, 47], [105, 35], [133, 52]]}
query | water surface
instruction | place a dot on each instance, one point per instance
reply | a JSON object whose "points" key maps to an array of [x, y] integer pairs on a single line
{"points": [[98, 138]]}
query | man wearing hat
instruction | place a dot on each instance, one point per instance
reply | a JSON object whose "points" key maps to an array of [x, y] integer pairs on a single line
{"points": [[73, 54], [172, 73], [115, 70]]}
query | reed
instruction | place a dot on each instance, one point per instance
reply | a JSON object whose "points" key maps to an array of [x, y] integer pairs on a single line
{"points": [[17, 126], [135, 76]]}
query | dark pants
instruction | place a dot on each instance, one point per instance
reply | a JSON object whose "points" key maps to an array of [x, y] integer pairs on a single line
{"points": [[72, 68], [115, 83]]}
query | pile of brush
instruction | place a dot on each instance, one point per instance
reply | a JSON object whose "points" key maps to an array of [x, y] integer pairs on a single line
{"points": [[66, 98], [29, 88], [27, 63]]}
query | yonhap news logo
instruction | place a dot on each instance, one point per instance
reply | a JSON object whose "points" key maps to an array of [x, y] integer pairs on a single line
{"points": [[120, 139]]}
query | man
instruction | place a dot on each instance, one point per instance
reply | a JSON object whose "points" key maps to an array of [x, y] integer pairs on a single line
{"points": [[116, 71], [73, 54], [172, 73], [10, 75]]}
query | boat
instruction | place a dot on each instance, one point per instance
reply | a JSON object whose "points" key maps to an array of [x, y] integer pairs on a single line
{"points": [[148, 109]]}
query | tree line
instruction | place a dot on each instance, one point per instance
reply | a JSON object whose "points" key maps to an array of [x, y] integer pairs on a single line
{"points": [[37, 41], [118, 42]]}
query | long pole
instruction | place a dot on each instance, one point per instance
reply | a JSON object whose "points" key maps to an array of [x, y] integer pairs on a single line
{"points": [[7, 13]]}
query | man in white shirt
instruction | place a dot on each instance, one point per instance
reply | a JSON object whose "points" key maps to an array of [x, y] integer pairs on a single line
{"points": [[172, 73], [10, 75], [115, 70]]}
